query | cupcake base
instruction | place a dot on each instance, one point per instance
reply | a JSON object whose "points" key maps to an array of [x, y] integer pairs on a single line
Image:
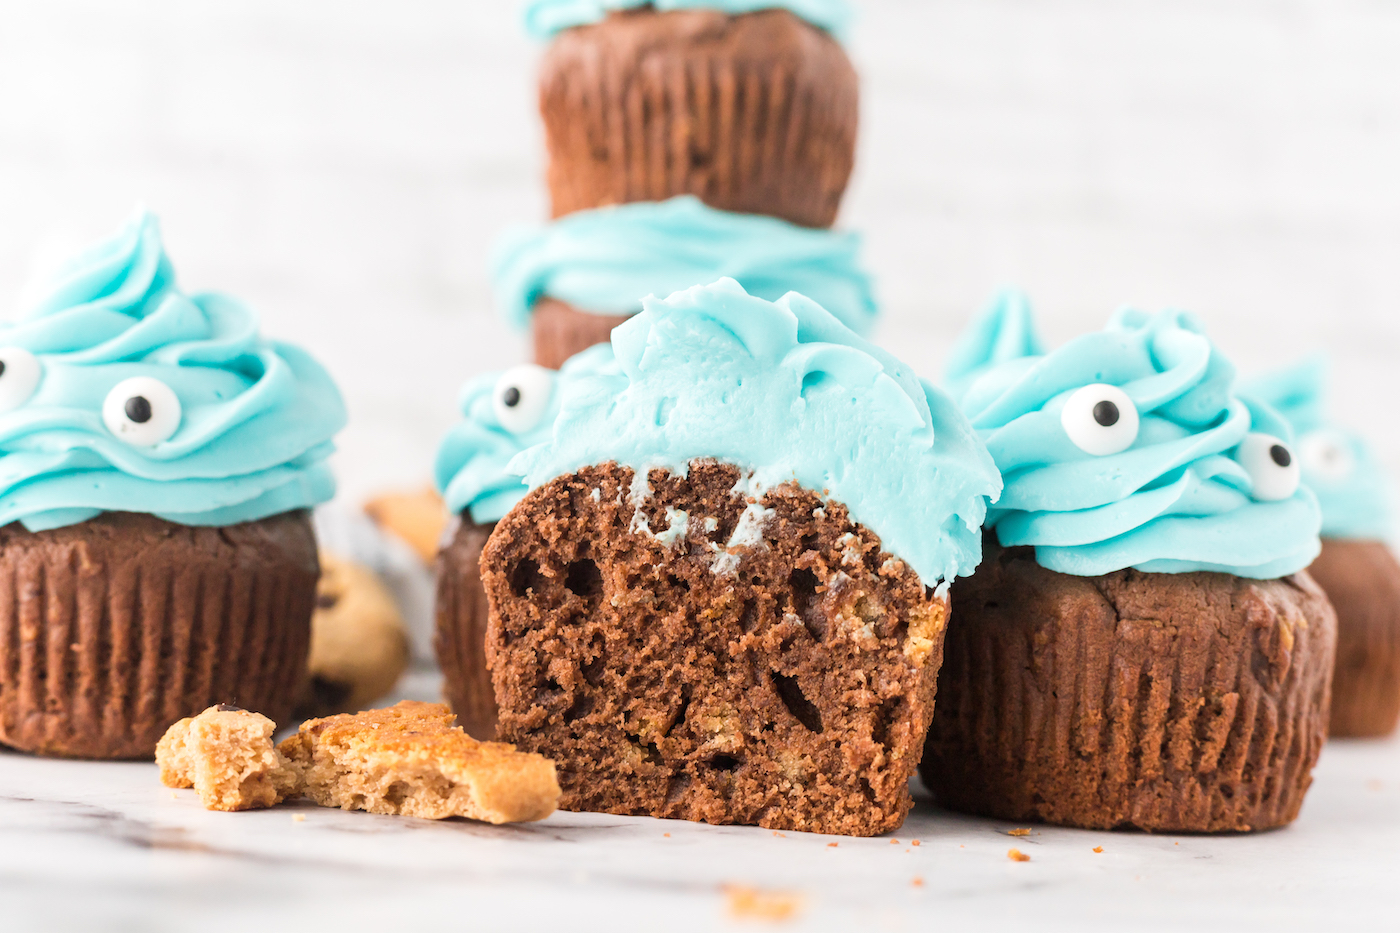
{"points": [[114, 628], [1192, 702], [1362, 579], [560, 330], [782, 675], [753, 113], [460, 638]]}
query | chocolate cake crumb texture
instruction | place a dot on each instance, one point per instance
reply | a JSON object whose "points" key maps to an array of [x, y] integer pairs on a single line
{"points": [[682, 650], [1175, 702]]}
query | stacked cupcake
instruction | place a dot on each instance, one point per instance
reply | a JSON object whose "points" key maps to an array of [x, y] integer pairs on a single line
{"points": [[688, 141]]}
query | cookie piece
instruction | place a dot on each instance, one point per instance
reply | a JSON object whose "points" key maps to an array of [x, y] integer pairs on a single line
{"points": [[359, 645], [709, 657], [1362, 579], [1190, 702], [226, 755], [411, 760], [416, 518]]}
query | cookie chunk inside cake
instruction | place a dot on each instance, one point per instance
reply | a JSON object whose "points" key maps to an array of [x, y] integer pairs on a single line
{"points": [[685, 650]]}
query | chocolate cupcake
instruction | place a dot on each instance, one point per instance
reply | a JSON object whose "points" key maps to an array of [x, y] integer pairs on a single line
{"points": [[156, 553], [577, 278], [503, 414], [750, 105], [1356, 568], [723, 598], [1142, 647]]}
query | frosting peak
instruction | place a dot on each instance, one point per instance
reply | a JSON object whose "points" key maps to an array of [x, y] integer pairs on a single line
{"points": [[1128, 447], [545, 18], [145, 399], [607, 260], [785, 390], [1338, 465]]}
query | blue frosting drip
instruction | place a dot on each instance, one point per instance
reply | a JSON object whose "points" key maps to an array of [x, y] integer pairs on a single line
{"points": [[1176, 500], [607, 260], [787, 391], [258, 416], [546, 18], [470, 471], [1339, 466]]}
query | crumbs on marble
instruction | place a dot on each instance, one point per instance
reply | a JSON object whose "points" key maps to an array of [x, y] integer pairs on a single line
{"points": [[1097, 849], [831, 845], [914, 843], [1016, 855], [298, 817], [918, 881], [1018, 832], [756, 904]]}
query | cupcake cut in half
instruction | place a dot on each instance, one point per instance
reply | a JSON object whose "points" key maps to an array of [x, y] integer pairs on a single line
{"points": [[750, 106], [157, 461], [1356, 568], [1142, 646], [723, 597], [572, 281]]}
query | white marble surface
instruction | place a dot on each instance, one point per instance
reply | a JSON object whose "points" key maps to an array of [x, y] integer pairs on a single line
{"points": [[103, 846]]}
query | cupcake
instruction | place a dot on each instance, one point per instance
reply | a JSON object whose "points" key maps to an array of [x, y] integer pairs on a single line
{"points": [[723, 598], [750, 105], [156, 554], [1356, 568], [1141, 646], [577, 278], [503, 414]]}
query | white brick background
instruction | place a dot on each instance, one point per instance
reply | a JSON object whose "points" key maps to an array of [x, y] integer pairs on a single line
{"points": [[345, 166]]}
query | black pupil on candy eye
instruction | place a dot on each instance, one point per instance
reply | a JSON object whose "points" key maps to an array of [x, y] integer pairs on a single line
{"points": [[1106, 413], [2, 367], [511, 397], [138, 409], [1280, 455]]}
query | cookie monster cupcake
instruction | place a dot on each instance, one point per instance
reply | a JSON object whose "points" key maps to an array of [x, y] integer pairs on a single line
{"points": [[159, 459], [1356, 568], [724, 597], [1141, 646], [577, 278], [503, 414], [751, 105]]}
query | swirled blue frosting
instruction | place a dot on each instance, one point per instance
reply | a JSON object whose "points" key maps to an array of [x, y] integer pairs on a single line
{"points": [[546, 18], [1338, 465], [1176, 500], [470, 470], [784, 390], [607, 260], [257, 416]]}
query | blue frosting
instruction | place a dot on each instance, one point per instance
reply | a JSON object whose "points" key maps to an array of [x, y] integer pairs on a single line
{"points": [[607, 260], [1338, 465], [785, 390], [256, 421], [545, 18], [1176, 500], [470, 471]]}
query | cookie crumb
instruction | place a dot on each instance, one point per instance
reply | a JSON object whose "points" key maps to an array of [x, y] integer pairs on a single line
{"points": [[914, 843], [918, 881], [1098, 848], [226, 755], [1018, 832], [894, 842], [666, 835], [831, 845], [778, 834], [755, 904], [1016, 855], [298, 817]]}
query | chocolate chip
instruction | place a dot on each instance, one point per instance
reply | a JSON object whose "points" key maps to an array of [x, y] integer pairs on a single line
{"points": [[229, 708], [326, 600]]}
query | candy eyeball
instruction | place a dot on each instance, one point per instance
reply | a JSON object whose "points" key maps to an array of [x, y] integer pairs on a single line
{"points": [[1272, 468], [1326, 455], [521, 397], [19, 377], [142, 411], [1100, 419]]}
